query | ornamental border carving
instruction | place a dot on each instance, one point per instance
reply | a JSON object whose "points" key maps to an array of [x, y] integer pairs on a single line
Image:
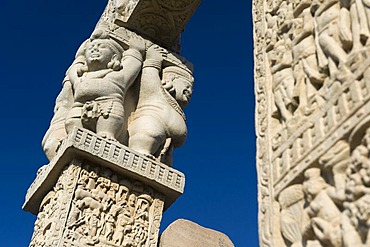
{"points": [[112, 155]]}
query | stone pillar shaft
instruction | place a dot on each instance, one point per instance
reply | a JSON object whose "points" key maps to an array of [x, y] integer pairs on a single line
{"points": [[84, 198]]}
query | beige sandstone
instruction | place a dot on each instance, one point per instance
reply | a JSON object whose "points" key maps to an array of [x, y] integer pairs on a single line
{"points": [[117, 119], [312, 85], [184, 233]]}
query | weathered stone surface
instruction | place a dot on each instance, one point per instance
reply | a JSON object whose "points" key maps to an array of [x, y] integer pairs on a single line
{"points": [[312, 61], [184, 233], [160, 21], [117, 120], [98, 192], [128, 83], [84, 144]]}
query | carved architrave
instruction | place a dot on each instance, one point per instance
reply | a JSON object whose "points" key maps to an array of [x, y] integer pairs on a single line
{"points": [[312, 101], [160, 21]]}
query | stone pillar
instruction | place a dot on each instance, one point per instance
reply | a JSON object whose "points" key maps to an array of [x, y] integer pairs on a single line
{"points": [[117, 120], [97, 192], [312, 87]]}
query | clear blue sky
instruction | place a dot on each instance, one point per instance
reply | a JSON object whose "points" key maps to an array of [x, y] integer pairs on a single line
{"points": [[38, 41]]}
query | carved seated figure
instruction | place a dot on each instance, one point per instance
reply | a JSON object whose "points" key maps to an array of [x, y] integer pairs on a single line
{"points": [[158, 124], [101, 83]]}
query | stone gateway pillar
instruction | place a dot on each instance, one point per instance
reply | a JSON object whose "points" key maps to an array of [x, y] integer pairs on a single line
{"points": [[117, 120], [312, 86]]}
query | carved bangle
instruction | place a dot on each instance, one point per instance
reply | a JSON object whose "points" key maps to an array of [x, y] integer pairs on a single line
{"points": [[153, 63], [134, 53]]}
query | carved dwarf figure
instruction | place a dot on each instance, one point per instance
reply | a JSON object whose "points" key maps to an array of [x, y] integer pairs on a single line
{"points": [[158, 124], [94, 89], [101, 83]]}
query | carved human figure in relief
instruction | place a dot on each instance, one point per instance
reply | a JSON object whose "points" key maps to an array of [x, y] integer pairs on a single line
{"points": [[141, 226], [336, 160], [306, 70], [124, 8], [332, 38], [101, 83], [325, 217], [356, 219], [158, 124], [283, 80]]}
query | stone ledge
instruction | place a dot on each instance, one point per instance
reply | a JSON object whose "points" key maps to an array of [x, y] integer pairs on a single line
{"points": [[82, 144]]}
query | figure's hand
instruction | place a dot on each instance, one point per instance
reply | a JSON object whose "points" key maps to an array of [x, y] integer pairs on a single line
{"points": [[156, 52], [136, 42]]}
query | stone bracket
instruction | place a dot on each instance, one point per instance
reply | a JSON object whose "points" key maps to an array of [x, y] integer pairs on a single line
{"points": [[82, 143]]}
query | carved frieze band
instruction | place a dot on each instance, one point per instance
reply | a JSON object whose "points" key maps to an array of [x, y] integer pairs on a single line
{"points": [[92, 206], [312, 85], [116, 156]]}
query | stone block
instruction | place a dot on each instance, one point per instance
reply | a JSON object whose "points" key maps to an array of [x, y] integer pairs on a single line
{"points": [[86, 145], [184, 233]]}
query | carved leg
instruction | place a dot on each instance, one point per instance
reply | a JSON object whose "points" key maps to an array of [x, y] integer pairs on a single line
{"points": [[73, 122], [349, 233], [147, 134], [110, 127]]}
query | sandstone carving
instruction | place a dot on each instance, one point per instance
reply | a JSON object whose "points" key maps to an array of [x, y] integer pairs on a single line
{"points": [[100, 84], [98, 215], [312, 104], [158, 123], [117, 120], [103, 93]]}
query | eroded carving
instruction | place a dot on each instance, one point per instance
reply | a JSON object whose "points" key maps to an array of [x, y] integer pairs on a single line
{"points": [[111, 98], [105, 210], [94, 96], [312, 90], [334, 210], [100, 85], [53, 212], [158, 124]]}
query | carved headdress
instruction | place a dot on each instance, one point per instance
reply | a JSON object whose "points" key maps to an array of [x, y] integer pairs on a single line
{"points": [[104, 37], [178, 72]]}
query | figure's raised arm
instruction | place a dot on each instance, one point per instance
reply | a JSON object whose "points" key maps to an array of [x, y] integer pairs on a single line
{"points": [[132, 60]]}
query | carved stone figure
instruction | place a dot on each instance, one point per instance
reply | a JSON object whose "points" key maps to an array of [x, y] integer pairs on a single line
{"points": [[331, 46], [96, 191], [292, 214], [337, 161], [124, 8], [306, 70], [100, 86], [356, 217], [158, 124], [284, 81], [312, 93], [325, 216]]}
